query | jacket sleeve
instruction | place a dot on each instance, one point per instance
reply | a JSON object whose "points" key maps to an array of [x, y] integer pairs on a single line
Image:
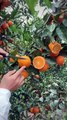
{"points": [[4, 103]]}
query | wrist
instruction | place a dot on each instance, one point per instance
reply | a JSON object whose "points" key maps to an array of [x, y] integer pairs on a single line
{"points": [[3, 86]]}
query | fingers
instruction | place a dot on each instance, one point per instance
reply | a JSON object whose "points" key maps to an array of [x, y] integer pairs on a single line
{"points": [[11, 72], [19, 71], [19, 79], [2, 51], [19, 82]]}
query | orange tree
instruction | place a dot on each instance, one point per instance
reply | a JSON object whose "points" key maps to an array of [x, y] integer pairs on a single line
{"points": [[43, 42]]}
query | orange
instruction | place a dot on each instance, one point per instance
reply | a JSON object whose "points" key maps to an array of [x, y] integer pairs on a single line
{"points": [[39, 62], [53, 55], [11, 60], [55, 47], [1, 42], [25, 74], [60, 60], [31, 110], [35, 110], [24, 62], [10, 23], [5, 25], [45, 68]]}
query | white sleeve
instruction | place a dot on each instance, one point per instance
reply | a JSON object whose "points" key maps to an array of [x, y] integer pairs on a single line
{"points": [[4, 103]]}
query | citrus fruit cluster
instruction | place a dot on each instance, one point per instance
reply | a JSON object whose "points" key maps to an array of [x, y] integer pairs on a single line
{"points": [[55, 49], [39, 62]]}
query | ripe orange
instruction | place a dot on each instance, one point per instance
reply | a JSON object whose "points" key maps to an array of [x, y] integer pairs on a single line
{"points": [[24, 62], [35, 110], [39, 62], [45, 68], [11, 60], [10, 23], [55, 47], [1, 42], [60, 60], [25, 74], [5, 25], [53, 55], [31, 110]]}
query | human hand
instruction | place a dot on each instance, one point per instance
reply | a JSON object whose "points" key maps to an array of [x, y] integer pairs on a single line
{"points": [[12, 80], [4, 52]]}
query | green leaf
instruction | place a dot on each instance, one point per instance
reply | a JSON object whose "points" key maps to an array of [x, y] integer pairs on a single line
{"points": [[27, 36], [14, 12], [61, 35], [48, 3], [13, 28], [14, 52], [1, 65], [65, 22], [66, 117], [52, 27], [31, 4], [51, 61], [31, 69], [61, 105]]}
